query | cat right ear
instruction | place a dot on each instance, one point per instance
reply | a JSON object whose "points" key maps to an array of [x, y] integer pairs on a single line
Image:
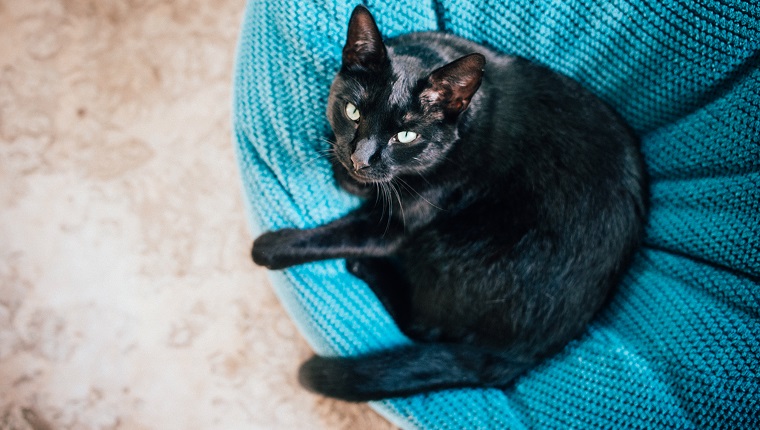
{"points": [[364, 43], [453, 85]]}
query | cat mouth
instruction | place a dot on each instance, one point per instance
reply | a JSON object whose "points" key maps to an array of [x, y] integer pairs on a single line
{"points": [[367, 178]]}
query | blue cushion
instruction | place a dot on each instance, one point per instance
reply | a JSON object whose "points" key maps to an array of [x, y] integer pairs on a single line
{"points": [[678, 346]]}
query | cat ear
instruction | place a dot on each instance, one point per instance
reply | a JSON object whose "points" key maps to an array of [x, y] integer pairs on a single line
{"points": [[454, 84], [364, 44]]}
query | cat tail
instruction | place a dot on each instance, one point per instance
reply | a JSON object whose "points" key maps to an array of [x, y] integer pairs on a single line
{"points": [[410, 370]]}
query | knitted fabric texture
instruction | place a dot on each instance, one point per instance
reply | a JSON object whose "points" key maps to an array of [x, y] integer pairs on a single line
{"points": [[678, 345]]}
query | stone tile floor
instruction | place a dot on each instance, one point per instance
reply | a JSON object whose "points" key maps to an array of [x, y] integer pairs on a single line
{"points": [[127, 298]]}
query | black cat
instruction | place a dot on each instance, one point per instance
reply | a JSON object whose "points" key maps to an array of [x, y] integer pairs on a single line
{"points": [[512, 201]]}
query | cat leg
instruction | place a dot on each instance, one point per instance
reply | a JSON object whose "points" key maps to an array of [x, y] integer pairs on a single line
{"points": [[389, 286], [395, 293], [358, 234]]}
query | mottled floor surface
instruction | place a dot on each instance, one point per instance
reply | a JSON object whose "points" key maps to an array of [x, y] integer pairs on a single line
{"points": [[127, 298]]}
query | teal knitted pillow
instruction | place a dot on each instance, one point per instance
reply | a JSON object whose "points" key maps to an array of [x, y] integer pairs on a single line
{"points": [[678, 346]]}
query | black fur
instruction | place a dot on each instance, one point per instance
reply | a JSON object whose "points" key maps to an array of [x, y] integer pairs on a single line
{"points": [[502, 227]]}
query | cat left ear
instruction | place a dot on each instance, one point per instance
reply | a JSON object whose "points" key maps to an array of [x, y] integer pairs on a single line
{"points": [[364, 44], [453, 85]]}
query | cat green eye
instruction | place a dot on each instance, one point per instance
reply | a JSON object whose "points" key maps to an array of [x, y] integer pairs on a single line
{"points": [[352, 112], [406, 136]]}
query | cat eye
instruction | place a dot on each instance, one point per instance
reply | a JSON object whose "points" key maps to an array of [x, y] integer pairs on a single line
{"points": [[352, 112], [406, 136]]}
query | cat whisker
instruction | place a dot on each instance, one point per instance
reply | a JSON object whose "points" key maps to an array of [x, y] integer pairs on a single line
{"points": [[409, 187], [423, 178], [317, 158], [401, 205], [386, 198], [380, 195], [377, 194], [328, 141], [390, 208], [325, 153]]}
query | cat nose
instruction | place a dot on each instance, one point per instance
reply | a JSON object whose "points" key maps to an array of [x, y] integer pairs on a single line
{"points": [[358, 162], [365, 148]]}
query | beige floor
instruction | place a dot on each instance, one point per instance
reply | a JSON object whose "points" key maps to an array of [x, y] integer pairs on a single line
{"points": [[127, 298]]}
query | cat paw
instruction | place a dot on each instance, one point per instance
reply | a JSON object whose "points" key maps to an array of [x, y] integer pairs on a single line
{"points": [[273, 249]]}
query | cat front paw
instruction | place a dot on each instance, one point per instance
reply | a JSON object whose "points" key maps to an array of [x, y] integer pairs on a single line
{"points": [[274, 249]]}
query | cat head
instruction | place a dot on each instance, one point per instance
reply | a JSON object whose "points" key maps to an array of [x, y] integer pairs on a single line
{"points": [[391, 115]]}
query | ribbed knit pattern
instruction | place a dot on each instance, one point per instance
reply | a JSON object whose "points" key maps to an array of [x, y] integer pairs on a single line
{"points": [[679, 344]]}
